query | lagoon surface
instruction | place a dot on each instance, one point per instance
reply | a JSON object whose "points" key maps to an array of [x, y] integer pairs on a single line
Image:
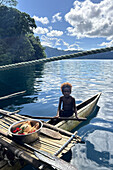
{"points": [[88, 77]]}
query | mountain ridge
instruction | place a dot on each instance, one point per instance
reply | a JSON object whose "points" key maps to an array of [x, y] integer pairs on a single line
{"points": [[50, 52], [54, 52]]}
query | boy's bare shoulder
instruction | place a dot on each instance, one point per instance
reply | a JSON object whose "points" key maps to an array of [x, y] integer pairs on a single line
{"points": [[72, 98], [61, 98]]}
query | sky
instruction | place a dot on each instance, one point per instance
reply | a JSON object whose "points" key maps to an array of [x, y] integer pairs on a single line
{"points": [[71, 24]]}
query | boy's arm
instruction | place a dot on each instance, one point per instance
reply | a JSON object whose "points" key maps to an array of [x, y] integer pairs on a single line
{"points": [[59, 107], [76, 112], [75, 109]]}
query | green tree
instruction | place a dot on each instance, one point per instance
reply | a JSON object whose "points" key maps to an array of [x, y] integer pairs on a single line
{"points": [[39, 50], [17, 41], [15, 23], [8, 2]]}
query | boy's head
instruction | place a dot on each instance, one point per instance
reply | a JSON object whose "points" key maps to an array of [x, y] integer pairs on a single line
{"points": [[66, 85]]}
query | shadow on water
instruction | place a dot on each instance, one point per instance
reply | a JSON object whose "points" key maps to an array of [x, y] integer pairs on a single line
{"points": [[90, 117], [101, 158], [68, 156], [19, 79]]}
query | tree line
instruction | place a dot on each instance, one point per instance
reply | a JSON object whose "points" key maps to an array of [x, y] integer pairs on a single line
{"points": [[17, 40]]}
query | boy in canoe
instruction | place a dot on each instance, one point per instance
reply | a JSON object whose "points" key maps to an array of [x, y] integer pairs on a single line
{"points": [[67, 105]]}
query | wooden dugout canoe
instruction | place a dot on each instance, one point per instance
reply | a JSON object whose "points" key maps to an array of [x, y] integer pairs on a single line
{"points": [[84, 110]]}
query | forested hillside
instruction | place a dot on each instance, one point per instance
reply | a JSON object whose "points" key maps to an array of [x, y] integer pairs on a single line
{"points": [[17, 41], [50, 52]]}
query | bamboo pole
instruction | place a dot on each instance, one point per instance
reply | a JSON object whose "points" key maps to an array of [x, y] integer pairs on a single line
{"points": [[18, 117], [12, 95], [58, 118], [42, 155], [63, 146], [64, 132]]}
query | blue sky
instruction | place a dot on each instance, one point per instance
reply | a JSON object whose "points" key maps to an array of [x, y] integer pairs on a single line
{"points": [[70, 24]]}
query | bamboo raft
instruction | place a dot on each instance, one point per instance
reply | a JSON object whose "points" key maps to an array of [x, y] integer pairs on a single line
{"points": [[54, 140], [45, 143]]}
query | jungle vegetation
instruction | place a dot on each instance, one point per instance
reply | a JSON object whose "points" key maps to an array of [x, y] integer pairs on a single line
{"points": [[17, 40]]}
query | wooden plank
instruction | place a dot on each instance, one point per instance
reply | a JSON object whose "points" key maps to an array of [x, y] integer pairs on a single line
{"points": [[38, 145], [6, 122], [51, 133], [8, 114], [49, 145], [53, 143], [46, 131], [62, 131], [57, 162], [59, 118], [10, 119], [4, 126], [65, 145], [12, 95], [43, 138], [16, 116]]}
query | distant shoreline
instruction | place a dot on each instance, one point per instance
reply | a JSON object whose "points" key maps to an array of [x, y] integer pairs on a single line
{"points": [[54, 52]]}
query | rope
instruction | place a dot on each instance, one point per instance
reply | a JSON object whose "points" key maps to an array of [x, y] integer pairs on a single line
{"points": [[68, 56]]}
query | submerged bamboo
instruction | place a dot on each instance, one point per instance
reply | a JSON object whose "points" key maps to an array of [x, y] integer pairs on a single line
{"points": [[12, 95]]}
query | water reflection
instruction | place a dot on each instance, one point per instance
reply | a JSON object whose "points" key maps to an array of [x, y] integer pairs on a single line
{"points": [[101, 158], [97, 151], [88, 77], [20, 79]]}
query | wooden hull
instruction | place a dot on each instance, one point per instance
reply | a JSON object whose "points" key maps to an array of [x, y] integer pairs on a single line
{"points": [[84, 110]]}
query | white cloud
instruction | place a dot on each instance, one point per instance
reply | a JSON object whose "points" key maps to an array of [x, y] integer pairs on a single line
{"points": [[110, 38], [58, 43], [61, 43], [56, 17], [43, 20], [50, 28], [47, 41], [88, 19], [40, 30], [54, 33], [107, 44], [74, 47], [49, 32], [66, 46], [53, 42]]}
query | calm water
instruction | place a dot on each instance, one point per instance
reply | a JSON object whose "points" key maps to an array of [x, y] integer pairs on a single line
{"points": [[88, 77]]}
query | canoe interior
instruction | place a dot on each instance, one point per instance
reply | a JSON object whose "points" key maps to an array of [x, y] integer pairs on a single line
{"points": [[79, 107]]}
